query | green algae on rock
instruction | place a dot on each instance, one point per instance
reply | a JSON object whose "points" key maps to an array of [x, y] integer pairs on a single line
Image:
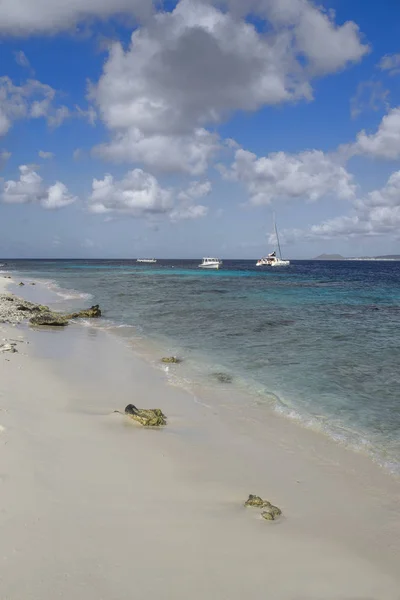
{"points": [[271, 512], [49, 319], [30, 307], [148, 417], [256, 501], [267, 516], [89, 313], [171, 359]]}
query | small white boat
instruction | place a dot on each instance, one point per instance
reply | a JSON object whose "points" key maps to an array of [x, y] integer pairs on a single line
{"points": [[146, 260], [272, 260], [210, 263]]}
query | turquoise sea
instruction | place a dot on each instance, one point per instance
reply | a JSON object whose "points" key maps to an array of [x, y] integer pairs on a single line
{"points": [[317, 341]]}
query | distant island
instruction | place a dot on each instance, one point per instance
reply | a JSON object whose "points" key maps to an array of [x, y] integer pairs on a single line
{"points": [[330, 257], [340, 257]]}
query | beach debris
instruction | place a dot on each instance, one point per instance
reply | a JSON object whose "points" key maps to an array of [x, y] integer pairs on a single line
{"points": [[148, 417], [8, 347], [21, 283], [49, 318], [270, 513], [171, 360], [89, 313], [33, 283], [223, 377]]}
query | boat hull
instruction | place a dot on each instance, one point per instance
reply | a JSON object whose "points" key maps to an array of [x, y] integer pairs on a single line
{"points": [[209, 266], [276, 263], [146, 261], [280, 263]]}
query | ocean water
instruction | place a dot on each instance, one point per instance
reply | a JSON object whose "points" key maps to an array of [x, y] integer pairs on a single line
{"points": [[316, 341]]}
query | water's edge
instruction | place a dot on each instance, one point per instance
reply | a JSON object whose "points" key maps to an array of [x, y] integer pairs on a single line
{"points": [[210, 381]]}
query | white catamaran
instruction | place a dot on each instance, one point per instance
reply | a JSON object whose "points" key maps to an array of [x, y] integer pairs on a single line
{"points": [[272, 260]]}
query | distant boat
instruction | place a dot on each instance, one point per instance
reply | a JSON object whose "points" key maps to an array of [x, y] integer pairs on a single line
{"points": [[210, 263], [146, 260], [272, 260]]}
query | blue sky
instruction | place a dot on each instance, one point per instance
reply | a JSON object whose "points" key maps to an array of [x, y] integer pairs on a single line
{"points": [[132, 129]]}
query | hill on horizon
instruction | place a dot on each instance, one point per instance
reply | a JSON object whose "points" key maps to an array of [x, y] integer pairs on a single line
{"points": [[330, 257]]}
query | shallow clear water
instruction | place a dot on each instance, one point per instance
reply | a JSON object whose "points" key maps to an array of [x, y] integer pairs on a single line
{"points": [[322, 338]]}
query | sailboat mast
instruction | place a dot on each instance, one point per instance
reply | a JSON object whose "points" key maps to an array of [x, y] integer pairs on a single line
{"points": [[277, 239]]}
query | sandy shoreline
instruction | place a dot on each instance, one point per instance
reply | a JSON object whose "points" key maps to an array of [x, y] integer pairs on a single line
{"points": [[95, 508]]}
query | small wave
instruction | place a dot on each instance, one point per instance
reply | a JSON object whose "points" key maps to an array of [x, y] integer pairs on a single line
{"points": [[69, 294], [339, 433], [105, 324], [64, 293]]}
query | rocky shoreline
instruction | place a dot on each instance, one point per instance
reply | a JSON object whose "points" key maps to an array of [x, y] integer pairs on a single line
{"points": [[17, 310]]}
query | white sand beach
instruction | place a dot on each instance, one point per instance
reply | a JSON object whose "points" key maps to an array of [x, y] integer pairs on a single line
{"points": [[94, 507]]}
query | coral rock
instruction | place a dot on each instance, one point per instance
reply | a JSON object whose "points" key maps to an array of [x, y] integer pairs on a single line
{"points": [[88, 313], [148, 417], [171, 360], [270, 513], [50, 319], [256, 501]]}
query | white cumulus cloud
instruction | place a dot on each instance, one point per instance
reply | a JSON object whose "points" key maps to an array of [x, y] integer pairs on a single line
{"points": [[385, 142], [186, 207], [30, 188], [196, 189], [312, 31], [194, 66], [181, 153], [190, 211], [309, 175], [27, 17], [377, 213], [138, 194], [32, 100]]}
